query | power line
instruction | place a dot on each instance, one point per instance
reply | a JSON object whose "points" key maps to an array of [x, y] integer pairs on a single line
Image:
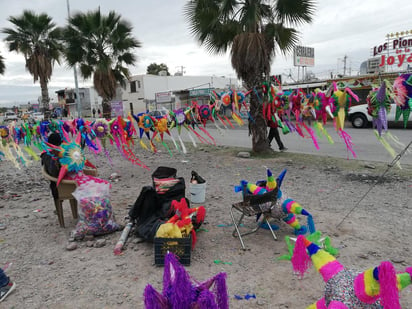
{"points": [[394, 161]]}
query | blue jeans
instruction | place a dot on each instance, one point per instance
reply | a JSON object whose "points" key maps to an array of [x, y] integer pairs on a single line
{"points": [[4, 280]]}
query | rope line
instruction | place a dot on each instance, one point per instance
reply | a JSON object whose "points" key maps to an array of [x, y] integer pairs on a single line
{"points": [[390, 165]]}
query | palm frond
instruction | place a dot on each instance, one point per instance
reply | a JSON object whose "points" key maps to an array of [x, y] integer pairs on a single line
{"points": [[2, 65], [102, 45], [286, 38], [294, 12]]}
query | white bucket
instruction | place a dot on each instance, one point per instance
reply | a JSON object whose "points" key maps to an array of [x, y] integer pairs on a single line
{"points": [[197, 192]]}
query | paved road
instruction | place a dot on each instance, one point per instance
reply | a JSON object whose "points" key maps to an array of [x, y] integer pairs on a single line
{"points": [[366, 145]]}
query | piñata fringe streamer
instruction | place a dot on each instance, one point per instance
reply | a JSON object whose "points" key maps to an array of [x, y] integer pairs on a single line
{"points": [[97, 147], [200, 138], [290, 125], [399, 145], [238, 120], [192, 139], [312, 135], [219, 129], [154, 300], [119, 147], [152, 146], [221, 121], [228, 121], [143, 145], [20, 155], [287, 257], [8, 154], [96, 157], [174, 141], [348, 141], [328, 137], [299, 130], [31, 153], [132, 157], [389, 294], [300, 259], [167, 148], [321, 131], [387, 146], [311, 224], [328, 246], [107, 154], [208, 134], [182, 145]]}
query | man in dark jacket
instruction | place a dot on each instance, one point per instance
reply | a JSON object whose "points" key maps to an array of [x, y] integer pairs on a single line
{"points": [[274, 133], [51, 163]]}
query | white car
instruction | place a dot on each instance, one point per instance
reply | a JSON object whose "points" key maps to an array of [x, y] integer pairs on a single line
{"points": [[10, 116], [37, 117], [359, 117]]}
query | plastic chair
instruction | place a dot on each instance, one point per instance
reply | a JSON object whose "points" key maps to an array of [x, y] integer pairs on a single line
{"points": [[253, 205], [65, 190]]}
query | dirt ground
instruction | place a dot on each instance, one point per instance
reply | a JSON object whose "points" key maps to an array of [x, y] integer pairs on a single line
{"points": [[50, 276]]}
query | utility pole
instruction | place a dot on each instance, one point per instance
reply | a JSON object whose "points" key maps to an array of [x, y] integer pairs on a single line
{"points": [[79, 103], [181, 69], [344, 65]]}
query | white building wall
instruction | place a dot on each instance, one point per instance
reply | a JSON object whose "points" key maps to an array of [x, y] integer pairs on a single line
{"points": [[152, 84], [95, 100], [136, 99]]}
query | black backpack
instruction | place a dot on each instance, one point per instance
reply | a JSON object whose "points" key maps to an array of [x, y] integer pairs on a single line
{"points": [[151, 209]]}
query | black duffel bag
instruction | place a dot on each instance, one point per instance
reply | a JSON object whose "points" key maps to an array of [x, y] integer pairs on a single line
{"points": [[152, 209]]}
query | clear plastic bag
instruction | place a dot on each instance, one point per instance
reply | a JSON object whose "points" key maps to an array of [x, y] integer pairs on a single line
{"points": [[95, 210]]}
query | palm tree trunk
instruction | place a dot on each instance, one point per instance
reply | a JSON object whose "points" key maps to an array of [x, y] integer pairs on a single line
{"points": [[45, 98], [107, 108], [257, 126]]}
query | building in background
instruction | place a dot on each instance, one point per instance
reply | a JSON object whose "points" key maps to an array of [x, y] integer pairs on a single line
{"points": [[152, 92], [67, 99]]}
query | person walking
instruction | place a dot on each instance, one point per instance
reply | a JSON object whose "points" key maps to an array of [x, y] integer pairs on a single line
{"points": [[99, 113], [274, 133], [94, 112], [6, 285]]}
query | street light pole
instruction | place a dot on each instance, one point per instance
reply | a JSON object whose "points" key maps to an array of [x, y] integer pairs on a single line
{"points": [[76, 84]]}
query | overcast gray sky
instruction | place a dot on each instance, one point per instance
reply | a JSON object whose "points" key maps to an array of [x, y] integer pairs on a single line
{"points": [[340, 28]]}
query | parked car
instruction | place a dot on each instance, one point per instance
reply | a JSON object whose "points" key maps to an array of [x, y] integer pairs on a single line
{"points": [[10, 116], [38, 116], [359, 117], [158, 113]]}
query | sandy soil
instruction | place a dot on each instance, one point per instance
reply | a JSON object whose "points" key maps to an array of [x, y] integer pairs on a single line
{"points": [[50, 276]]}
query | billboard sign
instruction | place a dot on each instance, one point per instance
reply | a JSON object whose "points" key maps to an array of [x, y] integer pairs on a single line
{"points": [[163, 97], [200, 92], [117, 108], [396, 50], [36, 107], [304, 56]]}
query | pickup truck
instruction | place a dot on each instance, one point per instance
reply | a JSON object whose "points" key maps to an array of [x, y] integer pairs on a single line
{"points": [[359, 117]]}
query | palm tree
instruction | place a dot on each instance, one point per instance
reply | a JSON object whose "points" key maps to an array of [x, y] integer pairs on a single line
{"points": [[101, 45], [253, 30], [38, 39], [2, 65], [155, 68]]}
